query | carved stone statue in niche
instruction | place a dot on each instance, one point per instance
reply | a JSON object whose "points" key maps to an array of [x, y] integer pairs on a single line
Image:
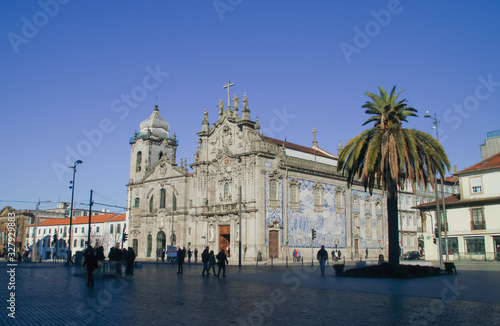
{"points": [[211, 233]]}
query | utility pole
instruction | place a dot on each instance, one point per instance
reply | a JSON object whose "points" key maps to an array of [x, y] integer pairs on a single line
{"points": [[90, 217]]}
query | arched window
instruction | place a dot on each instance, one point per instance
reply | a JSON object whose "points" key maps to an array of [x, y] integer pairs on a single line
{"points": [[150, 245], [162, 198], [151, 204], [138, 162], [136, 202], [226, 190]]}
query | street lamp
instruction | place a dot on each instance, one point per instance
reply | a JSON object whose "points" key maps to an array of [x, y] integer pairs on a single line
{"points": [[72, 187], [34, 248], [436, 122]]}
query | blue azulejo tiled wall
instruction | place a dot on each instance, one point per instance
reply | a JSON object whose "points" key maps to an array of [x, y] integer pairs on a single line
{"points": [[330, 225]]}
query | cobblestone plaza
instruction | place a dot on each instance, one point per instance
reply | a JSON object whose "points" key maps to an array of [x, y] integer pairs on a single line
{"points": [[54, 294]]}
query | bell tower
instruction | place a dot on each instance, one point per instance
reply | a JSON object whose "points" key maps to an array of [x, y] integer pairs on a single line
{"points": [[151, 144]]}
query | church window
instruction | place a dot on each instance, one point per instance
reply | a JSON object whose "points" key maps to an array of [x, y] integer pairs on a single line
{"points": [[150, 245], [368, 225], [75, 243], [274, 194], [162, 198], [355, 224], [294, 195], [82, 243], [136, 202], [226, 190], [151, 204], [174, 203], [138, 162], [318, 197]]}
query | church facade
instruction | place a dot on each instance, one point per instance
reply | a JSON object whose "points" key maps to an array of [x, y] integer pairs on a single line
{"points": [[286, 190]]}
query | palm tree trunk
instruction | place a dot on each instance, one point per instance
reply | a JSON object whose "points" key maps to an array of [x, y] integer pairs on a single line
{"points": [[393, 221]]}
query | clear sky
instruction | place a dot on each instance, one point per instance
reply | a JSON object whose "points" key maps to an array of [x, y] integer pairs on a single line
{"points": [[78, 77]]}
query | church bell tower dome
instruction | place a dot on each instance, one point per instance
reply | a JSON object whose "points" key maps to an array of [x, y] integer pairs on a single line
{"points": [[155, 125]]}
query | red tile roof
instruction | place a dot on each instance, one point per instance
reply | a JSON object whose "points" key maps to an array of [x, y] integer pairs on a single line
{"points": [[118, 218], [491, 163], [310, 150], [81, 220]]}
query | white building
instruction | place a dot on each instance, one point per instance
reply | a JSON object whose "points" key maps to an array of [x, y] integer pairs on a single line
{"points": [[106, 231], [473, 215]]}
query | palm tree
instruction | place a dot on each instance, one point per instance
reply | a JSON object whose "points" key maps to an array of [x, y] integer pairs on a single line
{"points": [[388, 155]]}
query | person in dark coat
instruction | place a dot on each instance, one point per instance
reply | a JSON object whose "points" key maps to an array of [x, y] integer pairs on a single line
{"points": [[190, 254], [205, 260], [130, 261], [322, 257], [211, 262], [222, 261], [91, 263], [181, 254], [195, 255]]}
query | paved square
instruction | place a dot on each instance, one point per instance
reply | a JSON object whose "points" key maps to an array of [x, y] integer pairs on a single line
{"points": [[54, 294]]}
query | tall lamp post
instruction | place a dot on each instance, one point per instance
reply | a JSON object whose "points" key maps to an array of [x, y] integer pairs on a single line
{"points": [[72, 187], [436, 122], [34, 248]]}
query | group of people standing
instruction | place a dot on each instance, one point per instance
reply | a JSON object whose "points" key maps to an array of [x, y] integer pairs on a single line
{"points": [[208, 259], [297, 256]]}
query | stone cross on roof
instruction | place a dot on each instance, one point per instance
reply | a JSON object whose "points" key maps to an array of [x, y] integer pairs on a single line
{"points": [[229, 84]]}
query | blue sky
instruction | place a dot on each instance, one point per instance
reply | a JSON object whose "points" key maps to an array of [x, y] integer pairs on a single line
{"points": [[67, 67]]}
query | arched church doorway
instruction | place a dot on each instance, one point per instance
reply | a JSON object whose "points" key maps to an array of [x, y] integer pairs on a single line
{"points": [[160, 242], [225, 239]]}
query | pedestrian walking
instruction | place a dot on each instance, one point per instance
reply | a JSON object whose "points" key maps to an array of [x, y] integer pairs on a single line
{"points": [[205, 260], [294, 255], [163, 256], [91, 263], [339, 254], [334, 255], [195, 255], [322, 256], [211, 262], [366, 257], [181, 254], [299, 256], [190, 254], [222, 261]]}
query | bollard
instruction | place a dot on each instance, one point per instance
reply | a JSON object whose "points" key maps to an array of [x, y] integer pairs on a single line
{"points": [[272, 259], [286, 261]]}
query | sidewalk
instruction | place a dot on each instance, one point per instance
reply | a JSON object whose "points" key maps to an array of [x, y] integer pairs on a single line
{"points": [[54, 294]]}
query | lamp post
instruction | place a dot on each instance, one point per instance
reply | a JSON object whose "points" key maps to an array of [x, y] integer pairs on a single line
{"points": [[34, 248], [72, 187], [174, 208], [436, 122]]}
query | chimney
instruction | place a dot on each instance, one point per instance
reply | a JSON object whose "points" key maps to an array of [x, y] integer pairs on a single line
{"points": [[455, 169]]}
